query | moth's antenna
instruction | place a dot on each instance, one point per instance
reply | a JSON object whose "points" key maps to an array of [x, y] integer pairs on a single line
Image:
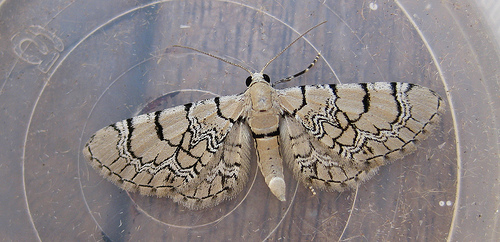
{"points": [[293, 42], [299, 73], [214, 56], [269, 62]]}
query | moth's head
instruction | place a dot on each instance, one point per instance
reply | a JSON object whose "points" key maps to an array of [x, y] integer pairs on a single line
{"points": [[257, 77]]}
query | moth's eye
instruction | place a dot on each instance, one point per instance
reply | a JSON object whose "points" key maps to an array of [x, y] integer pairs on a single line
{"points": [[266, 77], [249, 80]]}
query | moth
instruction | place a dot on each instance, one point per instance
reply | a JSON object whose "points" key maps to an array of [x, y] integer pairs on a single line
{"points": [[331, 136]]}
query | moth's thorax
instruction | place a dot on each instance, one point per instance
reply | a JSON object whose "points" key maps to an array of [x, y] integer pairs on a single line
{"points": [[263, 116], [261, 96]]}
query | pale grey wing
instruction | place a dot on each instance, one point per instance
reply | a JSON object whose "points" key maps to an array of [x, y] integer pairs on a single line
{"points": [[228, 177], [338, 135], [179, 152]]}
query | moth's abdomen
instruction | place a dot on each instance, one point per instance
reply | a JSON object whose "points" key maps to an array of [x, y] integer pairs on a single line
{"points": [[271, 164]]}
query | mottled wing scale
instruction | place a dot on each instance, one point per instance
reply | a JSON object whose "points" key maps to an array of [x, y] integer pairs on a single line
{"points": [[197, 154], [336, 136], [331, 136]]}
